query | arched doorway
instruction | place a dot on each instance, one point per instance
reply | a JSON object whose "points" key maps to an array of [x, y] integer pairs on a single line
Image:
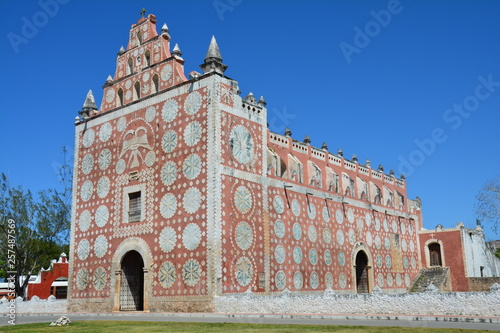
{"points": [[435, 254], [132, 282], [362, 272]]}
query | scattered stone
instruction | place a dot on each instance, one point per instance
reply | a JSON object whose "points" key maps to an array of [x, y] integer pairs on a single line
{"points": [[62, 321], [248, 293], [329, 292], [51, 298], [35, 298], [495, 288], [19, 299], [4, 300], [431, 289], [377, 290]]}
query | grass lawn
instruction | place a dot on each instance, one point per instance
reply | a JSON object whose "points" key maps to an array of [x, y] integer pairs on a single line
{"points": [[140, 326]]}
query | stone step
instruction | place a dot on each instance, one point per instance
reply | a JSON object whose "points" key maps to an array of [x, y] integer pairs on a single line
{"points": [[435, 275]]}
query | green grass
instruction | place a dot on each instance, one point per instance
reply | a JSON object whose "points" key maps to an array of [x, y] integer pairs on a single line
{"points": [[139, 326]]}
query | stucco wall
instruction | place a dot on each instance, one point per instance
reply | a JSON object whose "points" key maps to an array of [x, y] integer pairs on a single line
{"points": [[461, 303], [478, 255]]}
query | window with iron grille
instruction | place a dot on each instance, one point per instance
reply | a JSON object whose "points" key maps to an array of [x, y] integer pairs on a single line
{"points": [[134, 207]]}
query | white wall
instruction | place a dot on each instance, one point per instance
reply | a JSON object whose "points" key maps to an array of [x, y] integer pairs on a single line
{"points": [[463, 303], [477, 254]]}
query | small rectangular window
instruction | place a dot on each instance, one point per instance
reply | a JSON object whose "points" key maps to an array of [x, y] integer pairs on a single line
{"points": [[134, 207]]}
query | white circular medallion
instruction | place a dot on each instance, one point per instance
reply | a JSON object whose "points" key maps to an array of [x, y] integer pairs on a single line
{"points": [[101, 216], [191, 236]]}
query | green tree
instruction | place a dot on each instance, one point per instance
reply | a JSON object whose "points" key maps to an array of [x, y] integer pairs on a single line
{"points": [[488, 204], [33, 231]]}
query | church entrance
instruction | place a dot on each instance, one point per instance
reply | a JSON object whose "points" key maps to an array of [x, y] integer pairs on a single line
{"points": [[362, 272], [435, 254], [132, 282]]}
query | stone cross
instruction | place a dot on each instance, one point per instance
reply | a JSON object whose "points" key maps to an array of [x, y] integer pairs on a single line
{"points": [[143, 11]]}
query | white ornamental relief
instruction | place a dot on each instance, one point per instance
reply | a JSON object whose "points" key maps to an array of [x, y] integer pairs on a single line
{"points": [[105, 132], [192, 103], [136, 142], [241, 143], [88, 138], [110, 95]]}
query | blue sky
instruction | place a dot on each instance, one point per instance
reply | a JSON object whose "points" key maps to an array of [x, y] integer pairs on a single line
{"points": [[412, 85]]}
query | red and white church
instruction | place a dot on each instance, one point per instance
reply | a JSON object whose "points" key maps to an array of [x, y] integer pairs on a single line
{"points": [[182, 194]]}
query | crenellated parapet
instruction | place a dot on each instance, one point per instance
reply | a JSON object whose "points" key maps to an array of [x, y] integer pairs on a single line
{"points": [[299, 162]]}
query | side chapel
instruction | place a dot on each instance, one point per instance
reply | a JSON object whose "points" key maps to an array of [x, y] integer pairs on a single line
{"points": [[182, 194]]}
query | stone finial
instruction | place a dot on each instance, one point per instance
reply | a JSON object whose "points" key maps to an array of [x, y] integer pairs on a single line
{"points": [[460, 225], [121, 51], [250, 98], [307, 139], [324, 146], [88, 106], [431, 288], [380, 168], [77, 120], [164, 29], [419, 202], [90, 101], [368, 164], [340, 152], [213, 59], [288, 132], [262, 101], [403, 176], [355, 158], [109, 79], [177, 51], [391, 172], [439, 227], [495, 288]]}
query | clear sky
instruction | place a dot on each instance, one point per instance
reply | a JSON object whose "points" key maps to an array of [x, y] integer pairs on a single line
{"points": [[412, 85]]}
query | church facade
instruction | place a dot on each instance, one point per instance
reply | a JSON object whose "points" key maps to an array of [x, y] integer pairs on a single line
{"points": [[182, 194]]}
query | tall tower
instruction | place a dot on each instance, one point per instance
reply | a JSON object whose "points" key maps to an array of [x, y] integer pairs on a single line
{"points": [[147, 185]]}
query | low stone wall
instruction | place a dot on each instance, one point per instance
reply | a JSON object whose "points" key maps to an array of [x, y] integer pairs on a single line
{"points": [[482, 283], [35, 306], [426, 303]]}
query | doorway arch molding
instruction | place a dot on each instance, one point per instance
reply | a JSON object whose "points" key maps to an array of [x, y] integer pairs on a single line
{"points": [[358, 247], [131, 244]]}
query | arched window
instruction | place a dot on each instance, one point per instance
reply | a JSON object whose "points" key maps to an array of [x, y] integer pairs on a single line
{"points": [[156, 84], [137, 89], [147, 56], [120, 97], [130, 66], [435, 254], [139, 38]]}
